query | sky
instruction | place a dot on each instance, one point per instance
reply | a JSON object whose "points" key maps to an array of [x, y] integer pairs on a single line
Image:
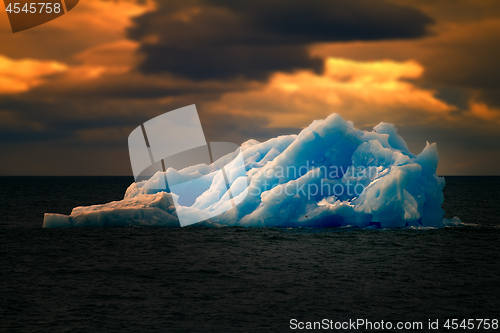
{"points": [[73, 89]]}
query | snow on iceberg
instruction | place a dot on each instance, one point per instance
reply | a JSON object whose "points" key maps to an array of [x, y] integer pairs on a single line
{"points": [[330, 175]]}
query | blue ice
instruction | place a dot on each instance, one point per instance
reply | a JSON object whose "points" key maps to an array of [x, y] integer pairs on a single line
{"points": [[329, 175]]}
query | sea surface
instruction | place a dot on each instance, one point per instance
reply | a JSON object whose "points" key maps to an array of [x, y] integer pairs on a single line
{"points": [[238, 279]]}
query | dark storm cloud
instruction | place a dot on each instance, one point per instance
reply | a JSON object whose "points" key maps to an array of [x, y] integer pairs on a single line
{"points": [[467, 57], [221, 39]]}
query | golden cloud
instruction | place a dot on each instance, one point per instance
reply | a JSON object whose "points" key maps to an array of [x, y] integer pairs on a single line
{"points": [[485, 112], [17, 76], [364, 92]]}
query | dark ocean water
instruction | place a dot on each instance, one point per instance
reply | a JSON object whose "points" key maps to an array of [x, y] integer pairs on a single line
{"points": [[237, 279]]}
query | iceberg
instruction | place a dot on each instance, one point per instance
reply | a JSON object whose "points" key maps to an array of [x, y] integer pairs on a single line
{"points": [[329, 175]]}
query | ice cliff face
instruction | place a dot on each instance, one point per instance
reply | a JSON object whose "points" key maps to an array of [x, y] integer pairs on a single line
{"points": [[329, 175]]}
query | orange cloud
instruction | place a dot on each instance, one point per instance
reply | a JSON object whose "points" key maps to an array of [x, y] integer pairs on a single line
{"points": [[17, 76], [364, 92], [108, 58], [94, 33], [485, 112], [113, 54]]}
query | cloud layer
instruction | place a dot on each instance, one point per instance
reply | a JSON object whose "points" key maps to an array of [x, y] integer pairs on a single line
{"points": [[223, 39]]}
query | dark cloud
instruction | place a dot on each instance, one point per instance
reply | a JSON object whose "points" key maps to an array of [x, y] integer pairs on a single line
{"points": [[467, 57], [131, 85], [490, 95], [221, 39]]}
